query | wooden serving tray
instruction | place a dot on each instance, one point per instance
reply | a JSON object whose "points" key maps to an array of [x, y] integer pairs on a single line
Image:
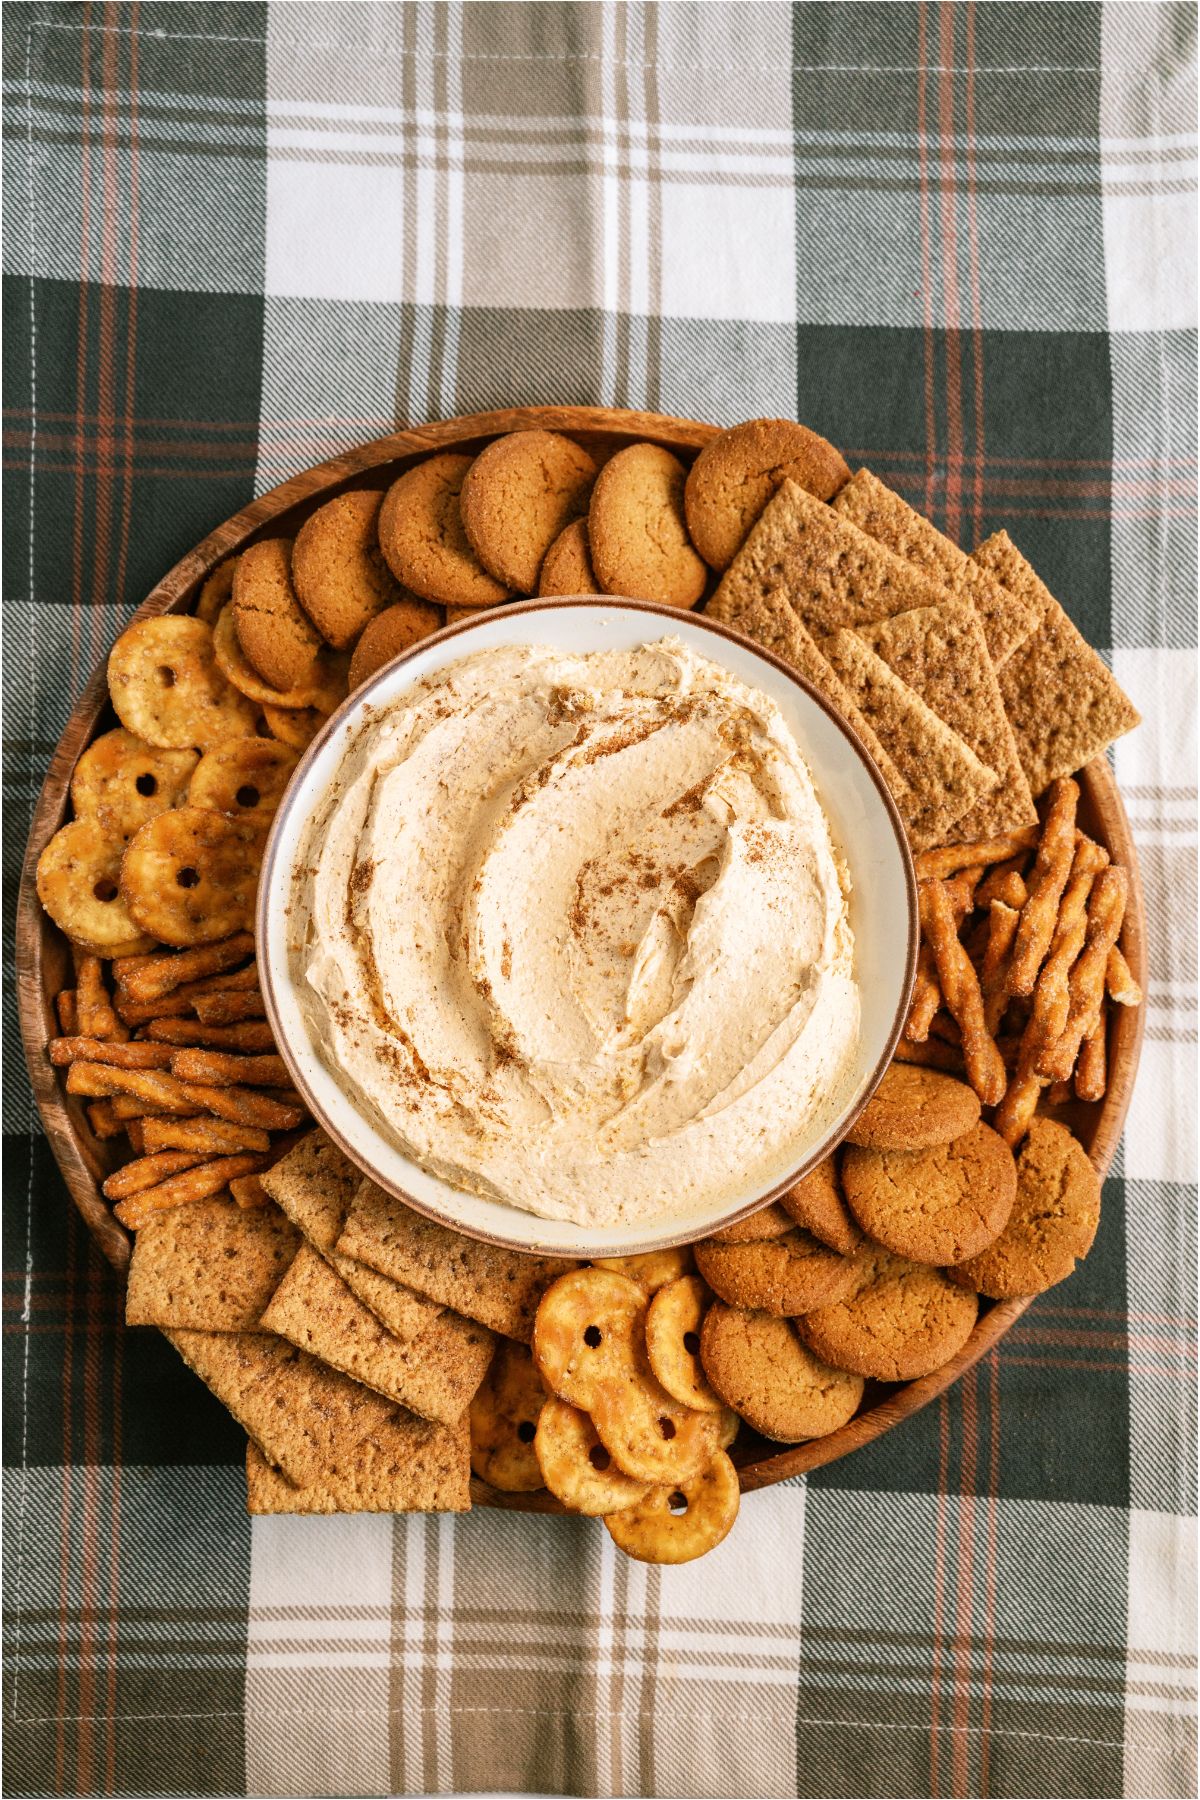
{"points": [[43, 956]]}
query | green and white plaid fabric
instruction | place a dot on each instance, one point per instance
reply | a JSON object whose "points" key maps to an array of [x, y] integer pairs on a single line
{"points": [[958, 239]]}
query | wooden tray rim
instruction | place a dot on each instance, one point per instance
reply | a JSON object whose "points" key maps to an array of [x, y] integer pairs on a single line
{"points": [[78, 1157]]}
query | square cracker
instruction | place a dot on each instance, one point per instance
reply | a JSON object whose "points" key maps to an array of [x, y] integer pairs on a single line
{"points": [[1007, 618], [941, 653], [405, 1465], [1064, 703], [499, 1287], [314, 1184], [299, 1413], [434, 1374], [945, 777], [828, 571], [209, 1266]]}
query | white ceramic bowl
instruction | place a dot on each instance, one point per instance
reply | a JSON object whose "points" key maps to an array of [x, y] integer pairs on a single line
{"points": [[866, 826]]}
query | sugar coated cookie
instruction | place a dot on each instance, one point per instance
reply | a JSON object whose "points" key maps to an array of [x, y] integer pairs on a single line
{"points": [[733, 478], [639, 541], [567, 566], [422, 537], [277, 639], [785, 1275], [913, 1108], [1052, 1224], [517, 496], [816, 1203], [756, 1228], [757, 1364], [899, 1320], [939, 1205], [341, 577], [393, 631]]}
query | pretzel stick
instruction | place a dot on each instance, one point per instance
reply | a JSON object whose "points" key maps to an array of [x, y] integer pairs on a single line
{"points": [[249, 1192], [997, 883], [148, 1171], [183, 999], [68, 1012], [92, 1004], [129, 1106], [1091, 1070], [932, 1054], [242, 1106], [150, 977], [1058, 1093], [960, 989], [66, 1050], [1050, 871], [1051, 996], [936, 865], [212, 1067], [103, 1120], [927, 997], [194, 1184], [207, 1135], [136, 1133], [224, 1009], [249, 1034], [1002, 930], [962, 890], [1123, 990], [1106, 911], [156, 1090], [945, 1028]]}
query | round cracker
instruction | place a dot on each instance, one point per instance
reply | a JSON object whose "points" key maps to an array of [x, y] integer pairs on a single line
{"points": [[653, 1268], [677, 1524], [584, 1330], [78, 883], [167, 688], [122, 782], [576, 1467], [295, 726], [340, 575], [390, 634], [249, 775], [324, 688], [276, 637], [504, 1419], [673, 1321], [190, 876]]}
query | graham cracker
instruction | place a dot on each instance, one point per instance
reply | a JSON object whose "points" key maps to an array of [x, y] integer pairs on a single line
{"points": [[301, 1415], [941, 653], [1007, 618], [832, 574], [208, 1266], [405, 1465], [1063, 701], [434, 1374], [314, 1184], [498, 1287], [770, 621], [944, 775]]}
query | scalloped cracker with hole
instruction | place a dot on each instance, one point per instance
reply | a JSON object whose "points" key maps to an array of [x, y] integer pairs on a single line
{"points": [[167, 688]]}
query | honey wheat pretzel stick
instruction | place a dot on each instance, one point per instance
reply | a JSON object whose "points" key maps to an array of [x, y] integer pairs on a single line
{"points": [[135, 1132], [212, 1136], [993, 977], [1058, 1093], [936, 865], [1091, 1069], [945, 1028], [149, 1085], [1050, 871], [242, 1106], [1123, 990], [932, 1054], [67, 1011], [249, 1192], [218, 1069], [1018, 1105], [148, 1171], [997, 883], [148, 978], [961, 992], [1051, 995], [103, 1120], [225, 1009], [129, 1106], [182, 1000], [249, 1034], [927, 997], [92, 1004], [1106, 912], [178, 1190], [66, 1050]]}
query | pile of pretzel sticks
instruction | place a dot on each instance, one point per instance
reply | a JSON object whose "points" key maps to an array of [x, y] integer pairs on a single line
{"points": [[179, 1058], [1020, 962]]}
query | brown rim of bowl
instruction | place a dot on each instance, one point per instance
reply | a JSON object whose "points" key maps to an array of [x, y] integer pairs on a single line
{"points": [[462, 627]]}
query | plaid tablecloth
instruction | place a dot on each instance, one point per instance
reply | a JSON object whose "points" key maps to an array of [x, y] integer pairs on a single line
{"points": [[958, 239]]}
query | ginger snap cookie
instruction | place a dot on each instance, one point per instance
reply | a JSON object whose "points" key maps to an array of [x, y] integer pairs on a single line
{"points": [[784, 1275], [816, 1203], [423, 540], [277, 638], [899, 1320], [1052, 1223], [939, 1205], [567, 565], [756, 1228], [396, 629], [636, 529], [914, 1108], [518, 495], [339, 571], [757, 1364], [733, 478]]}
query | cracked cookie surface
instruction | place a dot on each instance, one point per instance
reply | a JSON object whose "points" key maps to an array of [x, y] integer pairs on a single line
{"points": [[900, 1321], [424, 542], [758, 1365], [733, 478], [939, 1205], [518, 495], [639, 542], [784, 1275], [277, 638], [913, 1108], [1052, 1223]]}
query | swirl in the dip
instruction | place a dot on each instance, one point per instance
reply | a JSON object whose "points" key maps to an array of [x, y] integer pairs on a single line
{"points": [[573, 931]]}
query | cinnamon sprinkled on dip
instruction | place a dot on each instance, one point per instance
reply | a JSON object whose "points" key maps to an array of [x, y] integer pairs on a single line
{"points": [[573, 930]]}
